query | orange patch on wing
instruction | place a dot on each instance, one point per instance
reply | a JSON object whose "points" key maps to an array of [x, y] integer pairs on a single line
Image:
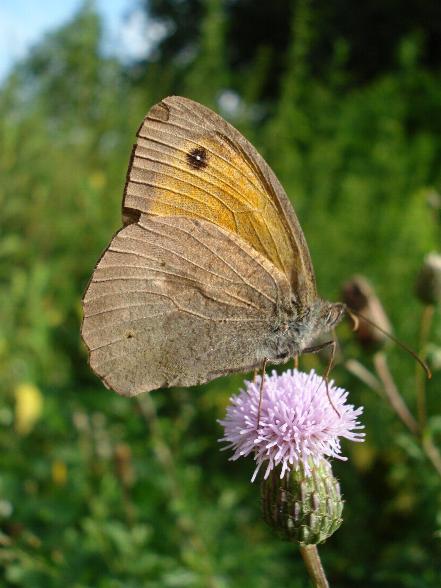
{"points": [[212, 181]]}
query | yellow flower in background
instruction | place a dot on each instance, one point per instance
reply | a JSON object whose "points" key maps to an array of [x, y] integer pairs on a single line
{"points": [[97, 180], [59, 472], [28, 407]]}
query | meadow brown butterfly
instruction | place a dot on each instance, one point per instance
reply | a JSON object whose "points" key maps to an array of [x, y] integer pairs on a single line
{"points": [[211, 273]]}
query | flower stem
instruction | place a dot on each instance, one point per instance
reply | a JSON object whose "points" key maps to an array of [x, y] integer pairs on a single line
{"points": [[397, 402], [426, 323], [394, 397], [314, 566]]}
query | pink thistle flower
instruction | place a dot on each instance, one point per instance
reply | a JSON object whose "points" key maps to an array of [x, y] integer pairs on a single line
{"points": [[298, 426]]}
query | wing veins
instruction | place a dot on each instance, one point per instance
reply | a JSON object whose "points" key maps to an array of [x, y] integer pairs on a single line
{"points": [[122, 322], [178, 279], [128, 305], [231, 267], [145, 183], [213, 153], [215, 177], [189, 184], [169, 251], [171, 204]]}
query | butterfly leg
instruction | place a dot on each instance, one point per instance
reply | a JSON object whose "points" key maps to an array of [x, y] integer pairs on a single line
{"points": [[328, 371], [265, 361], [315, 349], [333, 345]]}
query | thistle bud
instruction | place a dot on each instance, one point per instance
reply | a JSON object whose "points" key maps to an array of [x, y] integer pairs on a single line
{"points": [[291, 425], [360, 296], [428, 284], [303, 507]]}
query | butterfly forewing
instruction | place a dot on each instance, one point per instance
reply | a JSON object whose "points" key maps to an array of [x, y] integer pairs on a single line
{"points": [[189, 162]]}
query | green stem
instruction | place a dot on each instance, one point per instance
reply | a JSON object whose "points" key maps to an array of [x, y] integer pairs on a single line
{"points": [[314, 566], [397, 402], [432, 453], [393, 395], [420, 377]]}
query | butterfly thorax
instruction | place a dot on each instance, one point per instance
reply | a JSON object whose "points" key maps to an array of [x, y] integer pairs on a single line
{"points": [[302, 327]]}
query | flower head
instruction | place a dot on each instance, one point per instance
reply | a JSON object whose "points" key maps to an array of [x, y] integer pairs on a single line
{"points": [[297, 426]]}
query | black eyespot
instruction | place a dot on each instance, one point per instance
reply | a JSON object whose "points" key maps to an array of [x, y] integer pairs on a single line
{"points": [[197, 158]]}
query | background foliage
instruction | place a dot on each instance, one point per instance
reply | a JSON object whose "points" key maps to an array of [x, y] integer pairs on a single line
{"points": [[98, 490]]}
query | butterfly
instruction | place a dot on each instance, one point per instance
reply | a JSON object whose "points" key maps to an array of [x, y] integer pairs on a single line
{"points": [[211, 273]]}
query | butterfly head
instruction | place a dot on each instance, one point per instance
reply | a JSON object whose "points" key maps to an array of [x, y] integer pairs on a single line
{"points": [[329, 315], [320, 317]]}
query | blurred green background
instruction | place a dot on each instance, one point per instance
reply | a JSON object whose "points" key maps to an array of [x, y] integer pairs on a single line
{"points": [[102, 491]]}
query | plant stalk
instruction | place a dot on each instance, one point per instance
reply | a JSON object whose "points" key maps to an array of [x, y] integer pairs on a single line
{"points": [[420, 377], [397, 402], [393, 395], [314, 566]]}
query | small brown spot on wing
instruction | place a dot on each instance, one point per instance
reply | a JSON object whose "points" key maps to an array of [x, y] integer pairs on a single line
{"points": [[197, 158]]}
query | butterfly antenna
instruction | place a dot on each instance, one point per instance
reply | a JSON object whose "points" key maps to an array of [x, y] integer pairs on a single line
{"points": [[355, 320], [261, 390], [355, 316]]}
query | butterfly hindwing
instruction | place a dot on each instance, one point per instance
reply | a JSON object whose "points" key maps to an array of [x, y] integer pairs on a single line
{"points": [[179, 301]]}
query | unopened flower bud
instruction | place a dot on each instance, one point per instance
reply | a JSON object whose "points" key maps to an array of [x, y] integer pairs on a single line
{"points": [[360, 297], [124, 464], [428, 284], [303, 507]]}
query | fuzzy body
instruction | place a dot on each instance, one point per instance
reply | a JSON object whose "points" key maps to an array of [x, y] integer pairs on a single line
{"points": [[300, 328]]}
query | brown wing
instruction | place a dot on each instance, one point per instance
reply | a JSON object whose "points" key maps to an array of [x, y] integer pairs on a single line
{"points": [[189, 161], [179, 301]]}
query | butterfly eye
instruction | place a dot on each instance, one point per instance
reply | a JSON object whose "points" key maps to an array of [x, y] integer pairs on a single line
{"points": [[197, 158]]}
